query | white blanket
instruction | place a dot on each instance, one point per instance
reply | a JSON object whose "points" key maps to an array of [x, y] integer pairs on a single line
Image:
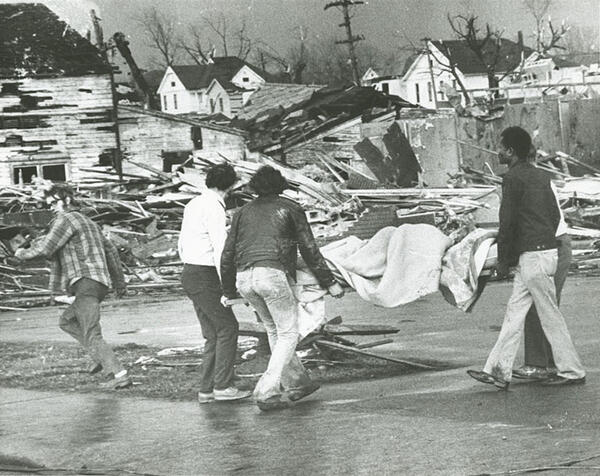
{"points": [[395, 267]]}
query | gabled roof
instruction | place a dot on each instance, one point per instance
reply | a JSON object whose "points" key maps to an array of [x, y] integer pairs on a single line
{"points": [[468, 63], [34, 41], [154, 78], [223, 69]]}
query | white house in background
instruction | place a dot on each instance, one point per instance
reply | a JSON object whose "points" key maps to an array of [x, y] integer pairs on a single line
{"points": [[424, 76], [549, 70], [220, 87], [368, 77]]}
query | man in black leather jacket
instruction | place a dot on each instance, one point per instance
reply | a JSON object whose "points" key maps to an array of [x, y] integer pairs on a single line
{"points": [[259, 260]]}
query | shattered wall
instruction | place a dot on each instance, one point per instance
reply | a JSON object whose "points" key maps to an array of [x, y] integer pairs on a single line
{"points": [[571, 126], [53, 121], [433, 141], [337, 143], [145, 135]]}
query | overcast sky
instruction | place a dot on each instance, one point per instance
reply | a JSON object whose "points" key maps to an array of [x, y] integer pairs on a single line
{"points": [[385, 23]]}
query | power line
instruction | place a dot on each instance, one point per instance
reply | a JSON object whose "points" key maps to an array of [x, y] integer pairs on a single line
{"points": [[351, 39]]}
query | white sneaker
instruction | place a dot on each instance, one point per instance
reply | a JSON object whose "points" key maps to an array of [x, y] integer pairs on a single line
{"points": [[231, 393], [205, 397]]}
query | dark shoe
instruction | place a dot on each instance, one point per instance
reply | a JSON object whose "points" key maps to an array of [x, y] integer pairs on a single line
{"points": [[272, 403], [117, 383], [484, 377], [94, 368], [556, 380], [297, 393], [529, 372]]}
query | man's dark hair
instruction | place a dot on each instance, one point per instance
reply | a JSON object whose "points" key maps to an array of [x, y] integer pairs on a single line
{"points": [[61, 192], [221, 177], [268, 181], [518, 139]]}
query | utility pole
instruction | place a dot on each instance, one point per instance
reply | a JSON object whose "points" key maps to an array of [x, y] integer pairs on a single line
{"points": [[430, 65], [351, 39], [103, 47]]}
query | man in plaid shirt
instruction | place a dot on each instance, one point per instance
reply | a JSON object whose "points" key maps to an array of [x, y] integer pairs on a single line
{"points": [[84, 263]]}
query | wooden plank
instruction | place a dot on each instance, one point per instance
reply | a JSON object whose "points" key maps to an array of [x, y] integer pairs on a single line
{"points": [[354, 350]]}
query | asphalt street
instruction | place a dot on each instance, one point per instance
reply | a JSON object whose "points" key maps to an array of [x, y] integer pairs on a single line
{"points": [[424, 423]]}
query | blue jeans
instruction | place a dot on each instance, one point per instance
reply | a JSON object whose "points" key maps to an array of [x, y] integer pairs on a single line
{"points": [[268, 291]]}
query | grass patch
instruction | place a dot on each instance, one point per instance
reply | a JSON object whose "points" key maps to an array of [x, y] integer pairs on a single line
{"points": [[62, 367]]}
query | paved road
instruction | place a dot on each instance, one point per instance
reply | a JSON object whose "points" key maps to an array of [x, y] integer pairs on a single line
{"points": [[424, 423]]}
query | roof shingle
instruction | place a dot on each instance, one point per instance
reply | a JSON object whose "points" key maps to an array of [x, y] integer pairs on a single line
{"points": [[34, 42]]}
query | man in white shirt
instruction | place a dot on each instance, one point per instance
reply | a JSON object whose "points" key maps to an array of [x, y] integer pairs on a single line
{"points": [[201, 241]]}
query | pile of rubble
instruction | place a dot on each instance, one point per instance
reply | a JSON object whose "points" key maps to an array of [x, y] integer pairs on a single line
{"points": [[142, 214]]}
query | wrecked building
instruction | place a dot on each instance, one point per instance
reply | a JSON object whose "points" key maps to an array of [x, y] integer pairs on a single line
{"points": [[319, 125], [56, 109], [162, 140]]}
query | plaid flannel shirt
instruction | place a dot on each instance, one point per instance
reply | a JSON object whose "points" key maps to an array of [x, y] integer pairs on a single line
{"points": [[78, 249]]}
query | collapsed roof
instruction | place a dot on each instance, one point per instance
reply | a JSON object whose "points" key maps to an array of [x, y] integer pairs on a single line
{"points": [[324, 108], [35, 42]]}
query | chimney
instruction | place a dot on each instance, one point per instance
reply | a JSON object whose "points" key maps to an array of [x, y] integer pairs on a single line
{"points": [[520, 40]]}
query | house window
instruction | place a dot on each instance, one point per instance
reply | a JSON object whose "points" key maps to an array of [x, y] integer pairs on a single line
{"points": [[549, 76], [417, 93], [175, 101], [441, 90], [172, 84], [174, 158], [197, 137], [165, 103], [245, 79], [221, 107], [429, 92], [23, 174], [454, 83], [56, 173], [385, 88], [212, 105]]}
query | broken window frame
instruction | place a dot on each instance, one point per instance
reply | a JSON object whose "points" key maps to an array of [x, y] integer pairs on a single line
{"points": [[39, 166]]}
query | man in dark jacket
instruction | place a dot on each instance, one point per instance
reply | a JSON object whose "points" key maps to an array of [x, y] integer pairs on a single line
{"points": [[529, 218], [260, 256]]}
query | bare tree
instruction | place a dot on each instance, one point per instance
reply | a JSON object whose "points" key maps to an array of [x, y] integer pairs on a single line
{"points": [[447, 64], [538, 9], [237, 41], [486, 44], [547, 35], [193, 45], [162, 36]]}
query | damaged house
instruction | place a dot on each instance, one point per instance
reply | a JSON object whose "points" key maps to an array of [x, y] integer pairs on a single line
{"points": [[56, 109], [163, 140], [315, 125]]}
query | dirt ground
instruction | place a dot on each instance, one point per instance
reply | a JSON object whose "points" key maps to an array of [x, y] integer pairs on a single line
{"points": [[62, 367]]}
